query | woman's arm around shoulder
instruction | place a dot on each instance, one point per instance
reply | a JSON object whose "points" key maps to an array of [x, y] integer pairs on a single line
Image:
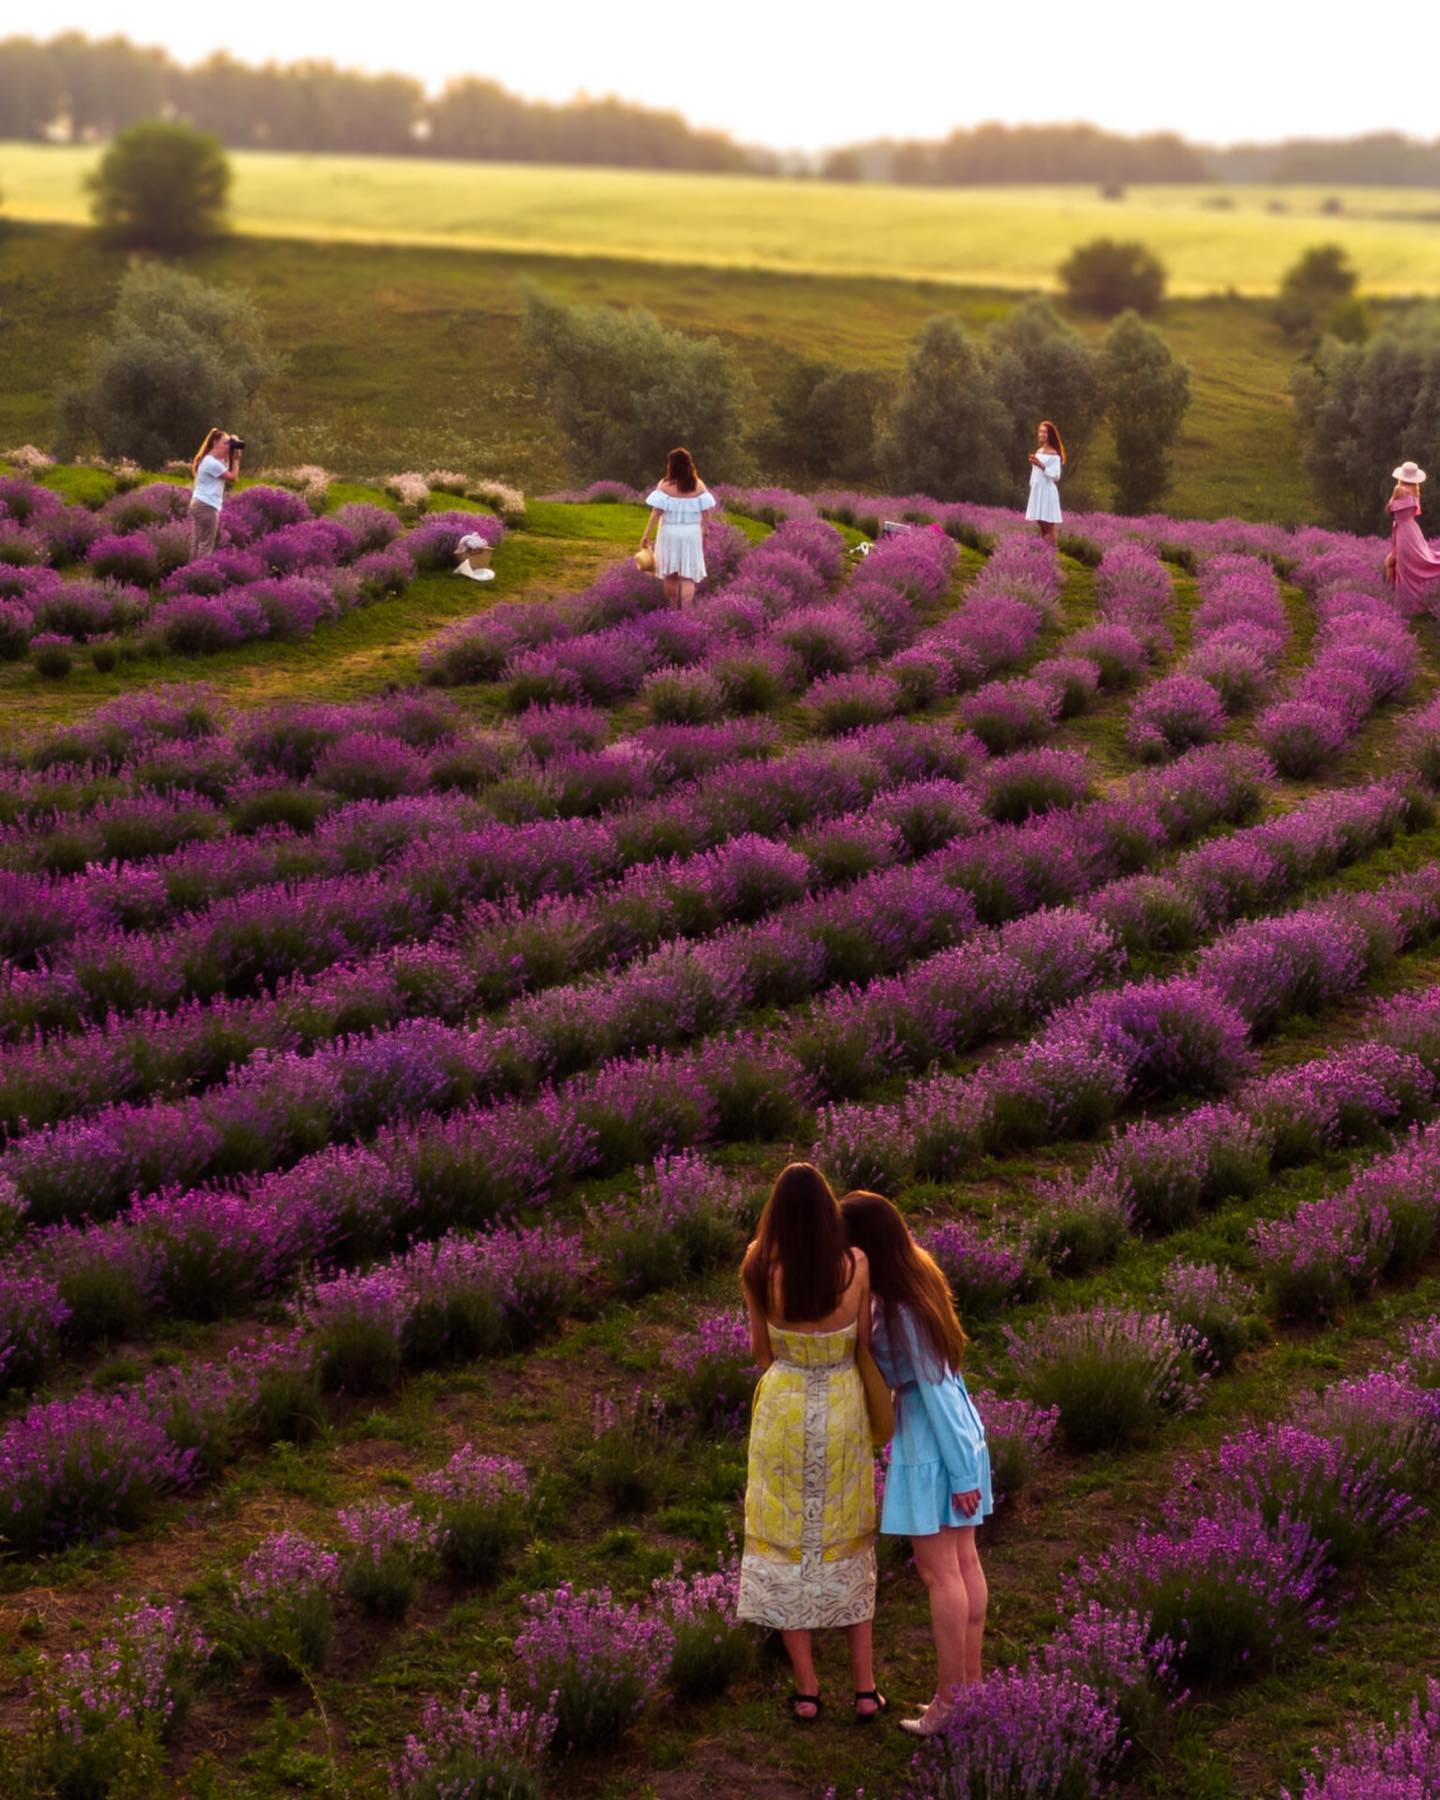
{"points": [[860, 1280], [759, 1324]]}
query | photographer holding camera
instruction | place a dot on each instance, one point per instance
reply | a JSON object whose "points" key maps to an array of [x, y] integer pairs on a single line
{"points": [[218, 461]]}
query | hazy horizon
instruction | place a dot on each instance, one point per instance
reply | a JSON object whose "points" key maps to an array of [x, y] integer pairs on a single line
{"points": [[788, 77]]}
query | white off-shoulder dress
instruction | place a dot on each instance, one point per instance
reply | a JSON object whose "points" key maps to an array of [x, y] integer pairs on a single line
{"points": [[1044, 502], [678, 550]]}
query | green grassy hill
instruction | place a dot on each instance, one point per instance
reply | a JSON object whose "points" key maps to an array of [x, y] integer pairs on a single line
{"points": [[402, 356], [1213, 239]]}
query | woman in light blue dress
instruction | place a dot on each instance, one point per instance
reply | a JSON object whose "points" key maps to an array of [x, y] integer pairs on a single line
{"points": [[677, 508], [938, 1487]]}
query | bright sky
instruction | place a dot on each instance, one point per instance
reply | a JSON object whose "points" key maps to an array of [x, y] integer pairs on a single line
{"points": [[793, 73]]}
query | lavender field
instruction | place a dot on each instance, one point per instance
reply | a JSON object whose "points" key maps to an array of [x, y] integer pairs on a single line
{"points": [[395, 1051]]}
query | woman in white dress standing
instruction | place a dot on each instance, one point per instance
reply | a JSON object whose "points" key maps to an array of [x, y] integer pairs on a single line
{"points": [[676, 509], [1047, 463]]}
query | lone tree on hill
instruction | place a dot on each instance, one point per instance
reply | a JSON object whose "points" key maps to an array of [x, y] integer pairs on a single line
{"points": [[1108, 277], [1317, 290], [1147, 391], [181, 356], [946, 430], [1361, 407], [161, 186], [625, 390]]}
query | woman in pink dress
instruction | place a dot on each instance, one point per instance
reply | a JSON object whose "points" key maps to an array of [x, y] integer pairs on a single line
{"points": [[1412, 567]]}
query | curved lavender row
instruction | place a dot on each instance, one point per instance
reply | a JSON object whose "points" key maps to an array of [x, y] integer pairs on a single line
{"points": [[88, 1167], [748, 878], [246, 943], [1012, 979], [133, 1440], [558, 651], [1241, 1540], [992, 629], [696, 813], [279, 572], [493, 953], [1365, 655], [1240, 631], [1189, 1034], [1159, 1175]]}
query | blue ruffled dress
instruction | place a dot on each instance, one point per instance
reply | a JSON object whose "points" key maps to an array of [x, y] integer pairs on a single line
{"points": [[939, 1447]]}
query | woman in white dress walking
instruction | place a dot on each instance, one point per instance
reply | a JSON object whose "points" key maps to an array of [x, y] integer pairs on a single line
{"points": [[676, 509], [1047, 463]]}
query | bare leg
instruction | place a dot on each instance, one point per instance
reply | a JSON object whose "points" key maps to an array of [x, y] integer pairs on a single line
{"points": [[1047, 529], [862, 1663], [687, 592], [939, 1566], [672, 588], [800, 1649], [977, 1594]]}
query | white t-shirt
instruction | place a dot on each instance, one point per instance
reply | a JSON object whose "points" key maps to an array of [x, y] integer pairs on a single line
{"points": [[210, 482]]}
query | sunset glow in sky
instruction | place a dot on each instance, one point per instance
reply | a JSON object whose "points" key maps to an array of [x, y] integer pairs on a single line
{"points": [[791, 73]]}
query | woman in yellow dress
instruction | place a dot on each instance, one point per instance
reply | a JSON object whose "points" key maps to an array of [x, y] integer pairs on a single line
{"points": [[809, 1560]]}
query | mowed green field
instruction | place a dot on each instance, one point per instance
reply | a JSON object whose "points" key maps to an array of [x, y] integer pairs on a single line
{"points": [[1212, 239], [406, 357]]}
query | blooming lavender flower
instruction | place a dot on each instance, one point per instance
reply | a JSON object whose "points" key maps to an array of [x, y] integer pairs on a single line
{"points": [[472, 1745], [1114, 1375], [711, 1648], [715, 1364], [1398, 1762], [480, 1506], [601, 1661], [1031, 1735], [985, 1273], [390, 1546], [285, 1594], [137, 1676], [1230, 1594]]}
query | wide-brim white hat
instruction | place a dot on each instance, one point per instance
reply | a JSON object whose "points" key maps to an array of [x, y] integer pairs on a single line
{"points": [[1409, 471]]}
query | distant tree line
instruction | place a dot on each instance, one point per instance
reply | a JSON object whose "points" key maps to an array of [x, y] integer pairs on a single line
{"points": [[991, 154], [86, 89], [91, 89]]}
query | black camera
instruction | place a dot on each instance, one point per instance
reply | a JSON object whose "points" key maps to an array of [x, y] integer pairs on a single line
{"points": [[237, 443]]}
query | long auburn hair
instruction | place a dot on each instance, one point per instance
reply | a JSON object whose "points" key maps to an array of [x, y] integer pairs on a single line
{"points": [[680, 470], [1409, 487], [800, 1240], [1048, 426], [204, 450], [902, 1274]]}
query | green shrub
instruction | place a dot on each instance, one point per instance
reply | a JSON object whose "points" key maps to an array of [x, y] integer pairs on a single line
{"points": [[1313, 289], [181, 356], [624, 390], [1147, 393], [947, 433], [161, 185], [1108, 277]]}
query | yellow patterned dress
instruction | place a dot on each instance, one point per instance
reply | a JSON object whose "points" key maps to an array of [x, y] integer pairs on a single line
{"points": [[809, 1557]]}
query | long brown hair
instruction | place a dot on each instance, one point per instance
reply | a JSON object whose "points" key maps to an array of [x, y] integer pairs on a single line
{"points": [[800, 1238], [680, 470], [1048, 425], [902, 1274], [204, 450]]}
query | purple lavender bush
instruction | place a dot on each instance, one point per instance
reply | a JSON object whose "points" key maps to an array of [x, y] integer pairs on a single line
{"points": [[711, 1649], [1115, 1376], [1028, 1735], [285, 1598], [600, 1661], [1230, 1595], [390, 1548], [480, 1509], [475, 1746], [1398, 1762]]}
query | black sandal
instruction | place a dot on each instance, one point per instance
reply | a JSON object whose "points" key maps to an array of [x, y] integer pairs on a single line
{"points": [[797, 1701], [882, 1705]]}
